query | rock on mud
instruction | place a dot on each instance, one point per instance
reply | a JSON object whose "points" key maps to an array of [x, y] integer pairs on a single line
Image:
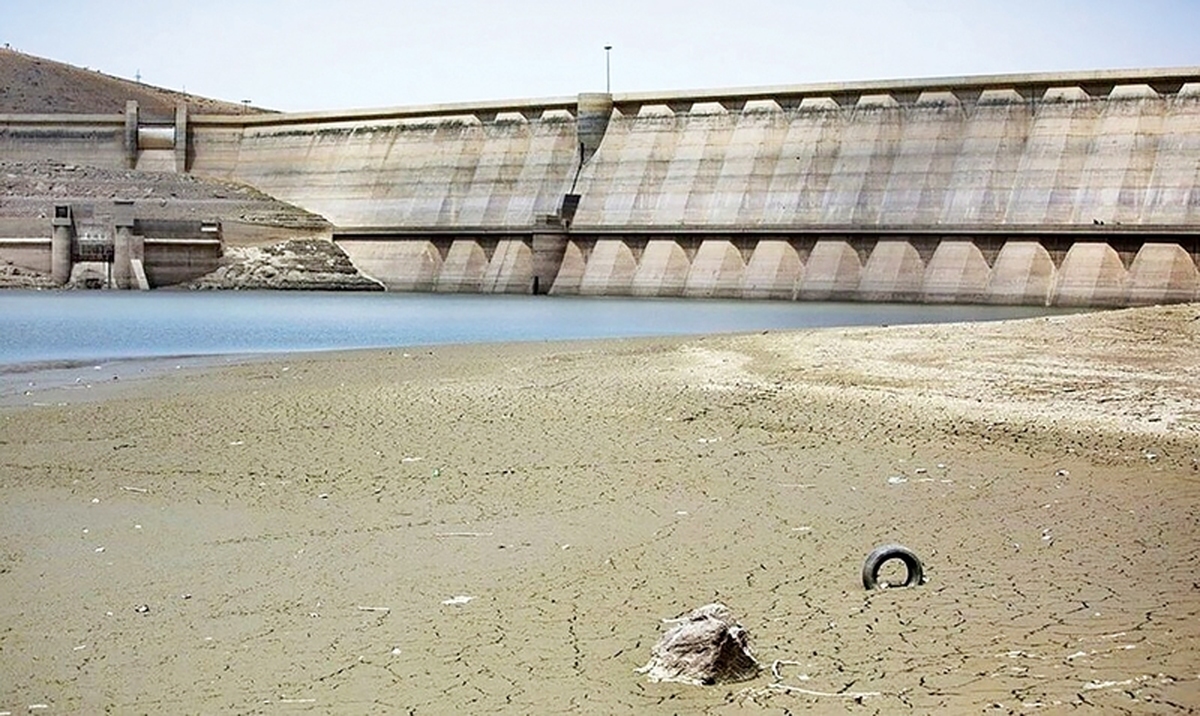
{"points": [[704, 647]]}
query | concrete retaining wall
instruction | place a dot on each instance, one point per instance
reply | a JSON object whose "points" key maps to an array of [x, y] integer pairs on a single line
{"points": [[172, 261], [96, 140], [31, 253]]}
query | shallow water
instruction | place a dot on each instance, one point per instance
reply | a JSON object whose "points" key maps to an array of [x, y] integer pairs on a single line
{"points": [[87, 326]]}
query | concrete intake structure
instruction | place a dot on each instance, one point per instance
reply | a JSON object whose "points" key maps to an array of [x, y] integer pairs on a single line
{"points": [[108, 247], [1061, 189]]}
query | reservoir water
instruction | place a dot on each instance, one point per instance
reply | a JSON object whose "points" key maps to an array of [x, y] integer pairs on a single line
{"points": [[88, 326], [60, 346], [53, 327]]}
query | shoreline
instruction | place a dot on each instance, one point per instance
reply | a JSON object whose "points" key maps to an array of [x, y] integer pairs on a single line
{"points": [[40, 383], [302, 530]]}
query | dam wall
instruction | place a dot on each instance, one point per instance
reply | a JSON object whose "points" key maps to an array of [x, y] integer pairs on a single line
{"points": [[97, 140], [933, 158], [1052, 189], [442, 168], [1042, 190], [111, 141]]}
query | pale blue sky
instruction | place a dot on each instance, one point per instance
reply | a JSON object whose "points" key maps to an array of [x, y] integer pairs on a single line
{"points": [[307, 55]]}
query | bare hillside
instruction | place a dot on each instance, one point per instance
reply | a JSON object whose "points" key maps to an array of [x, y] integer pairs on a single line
{"points": [[29, 190], [35, 85]]}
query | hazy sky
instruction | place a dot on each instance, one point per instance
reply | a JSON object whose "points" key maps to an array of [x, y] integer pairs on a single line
{"points": [[342, 54]]}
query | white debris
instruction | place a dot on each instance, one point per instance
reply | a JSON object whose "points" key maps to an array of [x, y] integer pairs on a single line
{"points": [[1094, 685], [457, 600]]}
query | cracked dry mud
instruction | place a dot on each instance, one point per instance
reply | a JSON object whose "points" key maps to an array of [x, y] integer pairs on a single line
{"points": [[1047, 474]]}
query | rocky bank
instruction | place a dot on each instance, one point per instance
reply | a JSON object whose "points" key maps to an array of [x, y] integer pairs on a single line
{"points": [[297, 264]]}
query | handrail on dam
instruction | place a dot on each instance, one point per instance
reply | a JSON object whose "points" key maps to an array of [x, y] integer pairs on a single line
{"points": [[62, 118], [531, 108], [1165, 80], [1093, 231], [1095, 83]]}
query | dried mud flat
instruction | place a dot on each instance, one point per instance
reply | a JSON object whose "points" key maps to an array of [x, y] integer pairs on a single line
{"points": [[478, 529]]}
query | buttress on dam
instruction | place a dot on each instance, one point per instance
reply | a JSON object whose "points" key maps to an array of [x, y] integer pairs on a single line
{"points": [[1073, 189]]}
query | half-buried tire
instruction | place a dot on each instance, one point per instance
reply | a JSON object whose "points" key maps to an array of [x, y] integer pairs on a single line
{"points": [[881, 555]]}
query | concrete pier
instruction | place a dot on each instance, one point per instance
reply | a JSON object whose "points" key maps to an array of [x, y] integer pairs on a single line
{"points": [[60, 244]]}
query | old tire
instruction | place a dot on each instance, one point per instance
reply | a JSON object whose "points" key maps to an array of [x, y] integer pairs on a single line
{"points": [[886, 553]]}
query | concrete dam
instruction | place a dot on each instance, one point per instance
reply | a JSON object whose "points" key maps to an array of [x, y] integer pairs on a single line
{"points": [[1054, 189]]}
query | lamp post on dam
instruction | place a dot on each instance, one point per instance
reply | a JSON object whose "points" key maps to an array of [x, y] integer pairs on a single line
{"points": [[608, 69]]}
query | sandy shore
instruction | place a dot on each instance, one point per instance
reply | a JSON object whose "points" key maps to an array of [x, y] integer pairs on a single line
{"points": [[296, 527]]}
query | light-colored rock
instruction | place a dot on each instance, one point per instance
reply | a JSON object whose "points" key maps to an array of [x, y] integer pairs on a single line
{"points": [[299, 264], [704, 647]]}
